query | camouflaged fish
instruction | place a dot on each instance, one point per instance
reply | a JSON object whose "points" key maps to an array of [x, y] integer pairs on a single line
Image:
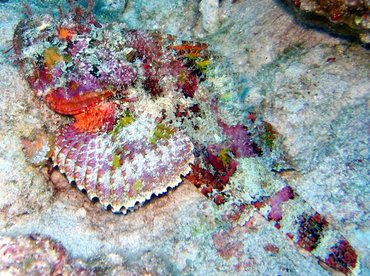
{"points": [[123, 89], [143, 120]]}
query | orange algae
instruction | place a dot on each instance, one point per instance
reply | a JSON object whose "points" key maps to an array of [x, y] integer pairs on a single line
{"points": [[65, 33], [51, 57]]}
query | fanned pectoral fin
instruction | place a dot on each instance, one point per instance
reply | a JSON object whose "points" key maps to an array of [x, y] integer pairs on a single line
{"points": [[97, 118]]}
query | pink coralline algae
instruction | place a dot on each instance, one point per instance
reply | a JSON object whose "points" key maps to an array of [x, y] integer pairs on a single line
{"points": [[280, 197]]}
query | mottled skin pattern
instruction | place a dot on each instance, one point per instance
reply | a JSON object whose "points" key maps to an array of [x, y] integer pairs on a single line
{"points": [[137, 99], [116, 149]]}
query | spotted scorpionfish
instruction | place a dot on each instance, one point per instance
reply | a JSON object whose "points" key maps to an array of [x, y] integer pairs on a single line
{"points": [[144, 113], [128, 92], [144, 116]]}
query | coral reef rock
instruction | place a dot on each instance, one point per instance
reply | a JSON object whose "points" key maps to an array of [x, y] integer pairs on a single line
{"points": [[351, 18], [34, 255]]}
